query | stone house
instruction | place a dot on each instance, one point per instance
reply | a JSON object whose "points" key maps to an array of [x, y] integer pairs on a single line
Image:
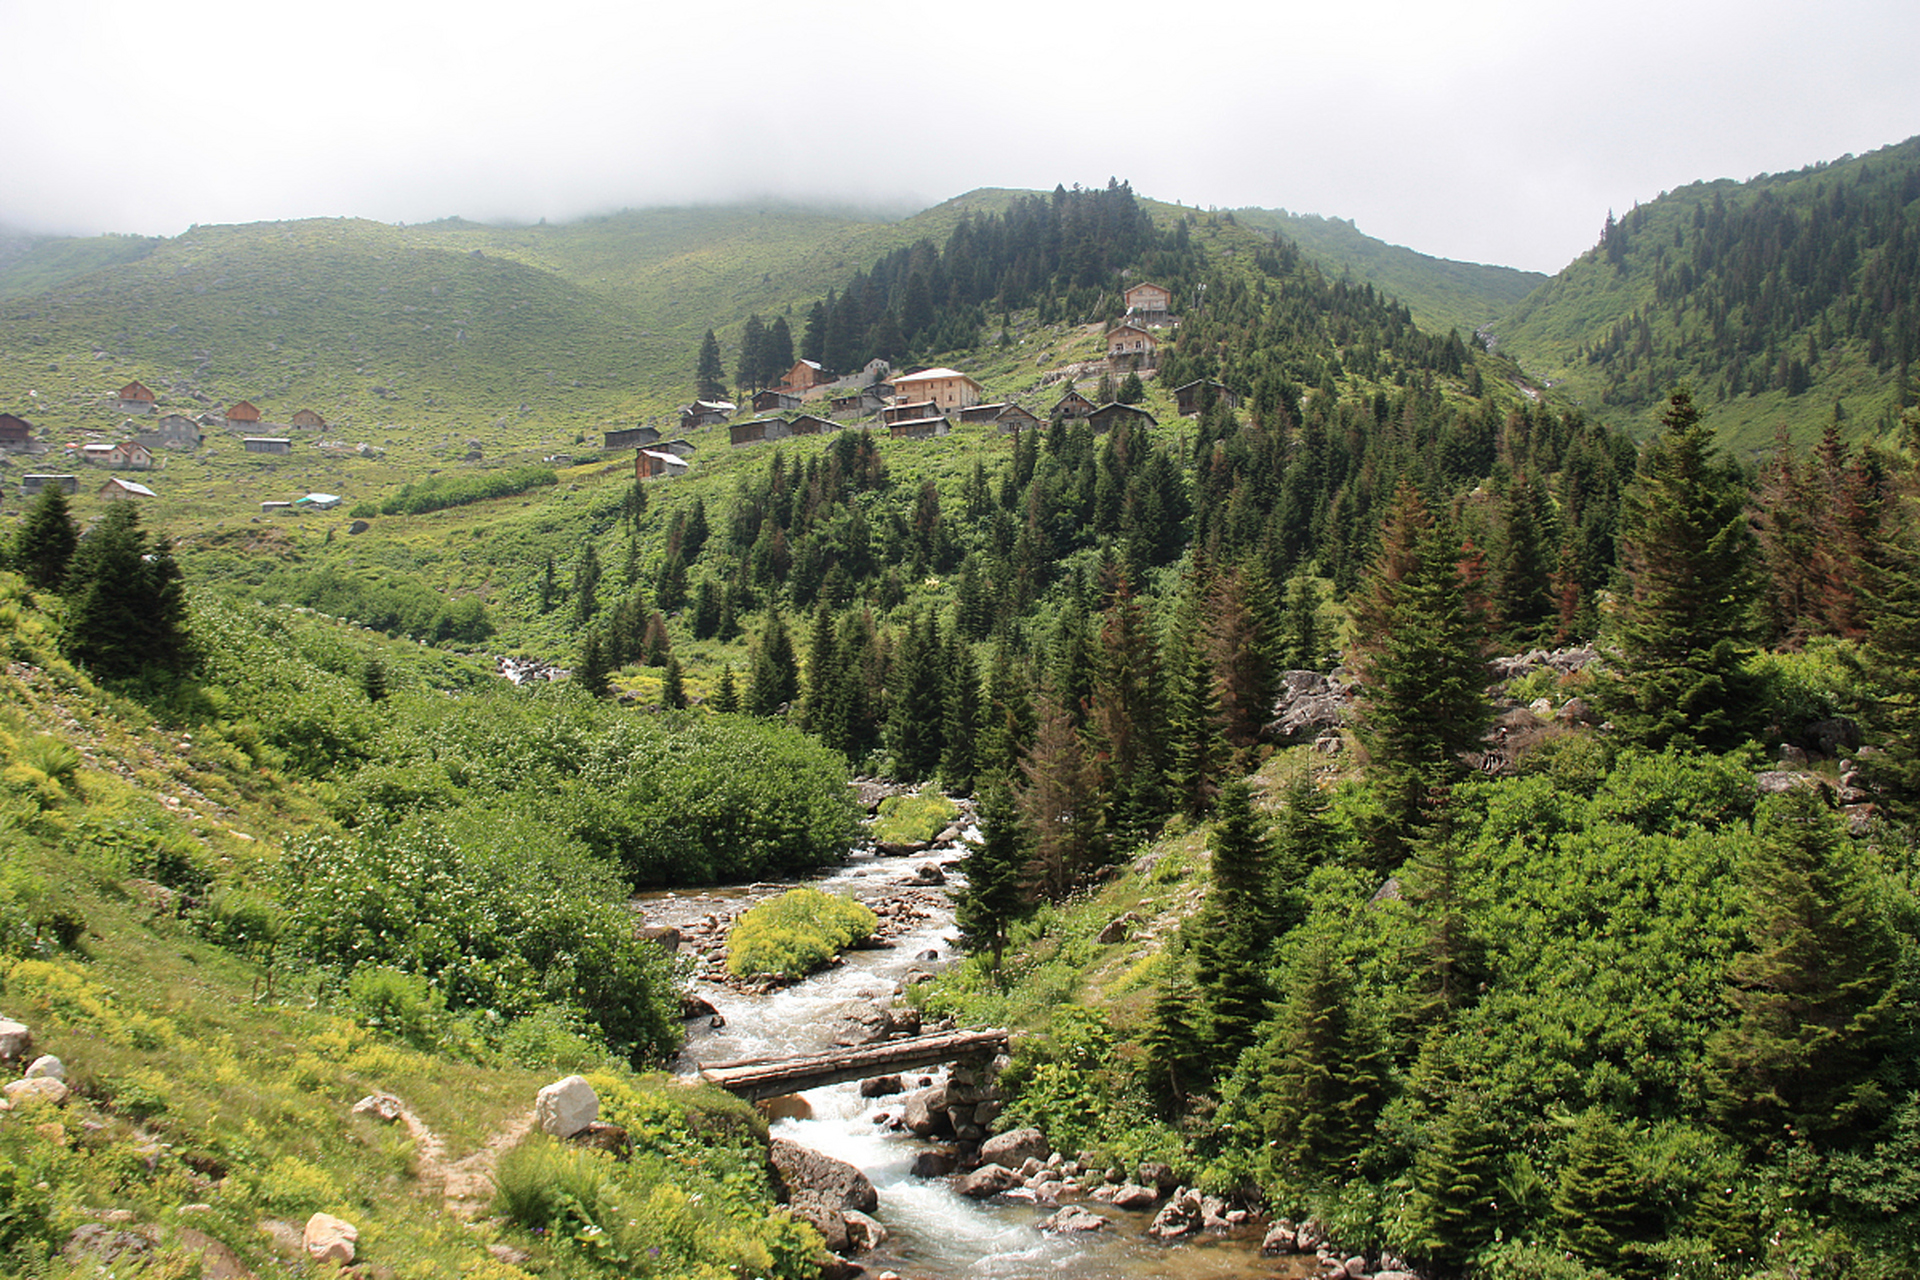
{"points": [[175, 431], [858, 404], [130, 455], [309, 419]]}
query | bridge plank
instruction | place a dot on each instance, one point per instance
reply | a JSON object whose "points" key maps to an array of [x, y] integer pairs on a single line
{"points": [[757, 1078]]}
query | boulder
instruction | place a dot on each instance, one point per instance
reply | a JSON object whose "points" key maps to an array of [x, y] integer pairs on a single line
{"points": [[925, 1112], [987, 1180], [1308, 705], [804, 1170], [1178, 1217], [329, 1239], [1774, 782], [1155, 1174], [1131, 1195], [1072, 1218], [216, 1260], [933, 1164], [1280, 1238], [380, 1106], [48, 1067], [829, 1220], [15, 1040], [1014, 1147], [928, 874], [40, 1089], [1354, 1268], [601, 1136], [1117, 929], [1831, 737], [881, 1086], [864, 1234], [667, 936], [565, 1107]]}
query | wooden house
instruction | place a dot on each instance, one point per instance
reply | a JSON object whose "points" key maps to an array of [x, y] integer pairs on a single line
{"points": [[309, 419], [857, 404], [267, 444], [32, 484], [631, 438], [809, 424], [758, 431], [1188, 397], [317, 502], [904, 412], [276, 507], [983, 412], [243, 412], [1071, 406], [949, 389], [773, 401], [706, 413], [1106, 416], [655, 464], [93, 455], [15, 432], [136, 397], [1148, 300], [804, 376], [175, 431], [919, 428], [1130, 346], [1012, 420], [678, 448], [117, 489]]}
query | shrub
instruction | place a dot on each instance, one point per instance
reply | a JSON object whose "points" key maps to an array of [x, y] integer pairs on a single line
{"points": [[403, 1005], [913, 819], [796, 933]]}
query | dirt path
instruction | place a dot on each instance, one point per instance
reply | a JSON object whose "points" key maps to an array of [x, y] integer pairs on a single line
{"points": [[467, 1183]]}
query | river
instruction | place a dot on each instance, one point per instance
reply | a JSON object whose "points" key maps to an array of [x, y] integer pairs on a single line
{"points": [[933, 1234]]}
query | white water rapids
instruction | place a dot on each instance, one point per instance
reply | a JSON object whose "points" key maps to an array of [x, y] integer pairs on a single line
{"points": [[933, 1234]]}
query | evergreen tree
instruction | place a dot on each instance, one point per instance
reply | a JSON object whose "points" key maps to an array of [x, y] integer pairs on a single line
{"points": [[1453, 1210], [549, 587], [992, 899], [1815, 994], [778, 351], [655, 645], [1893, 641], [1235, 925], [960, 715], [593, 667], [1419, 658], [1177, 1053], [726, 697], [673, 691], [1196, 747], [916, 701], [1323, 1068], [750, 374], [710, 376], [1125, 723], [1060, 803], [774, 681], [1521, 589], [45, 544], [373, 679], [1601, 1200], [1132, 390], [586, 585], [1687, 552], [126, 601]]}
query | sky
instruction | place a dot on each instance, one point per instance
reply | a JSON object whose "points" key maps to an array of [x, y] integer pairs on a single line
{"points": [[1500, 132]]}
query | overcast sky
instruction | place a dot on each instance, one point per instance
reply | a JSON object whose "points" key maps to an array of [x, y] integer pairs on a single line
{"points": [[1501, 131]]}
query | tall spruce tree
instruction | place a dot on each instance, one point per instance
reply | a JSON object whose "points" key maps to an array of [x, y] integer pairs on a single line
{"points": [[995, 866], [44, 547], [1323, 1069], [1235, 925], [126, 600], [1060, 803], [1687, 551], [710, 375]]}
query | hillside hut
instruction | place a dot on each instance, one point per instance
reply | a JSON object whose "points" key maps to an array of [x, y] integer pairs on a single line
{"points": [[309, 419], [948, 389], [919, 428], [772, 401], [804, 376], [267, 444], [32, 484], [136, 397], [677, 447], [1148, 301], [757, 431], [1071, 406], [175, 431], [1106, 416], [117, 489], [244, 412], [276, 507], [909, 412], [631, 437], [857, 404], [130, 455], [655, 464], [809, 424], [1130, 346], [1187, 398], [15, 432], [706, 413], [1012, 420], [983, 412]]}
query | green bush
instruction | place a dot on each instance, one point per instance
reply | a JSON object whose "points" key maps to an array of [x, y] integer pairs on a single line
{"points": [[913, 819], [796, 933], [436, 493], [404, 1005]]}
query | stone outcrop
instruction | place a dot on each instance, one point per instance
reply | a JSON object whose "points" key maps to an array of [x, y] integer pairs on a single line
{"points": [[40, 1089], [804, 1171], [1014, 1147], [987, 1180], [1308, 705], [1073, 1218]]}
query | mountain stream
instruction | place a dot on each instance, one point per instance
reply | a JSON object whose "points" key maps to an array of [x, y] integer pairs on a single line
{"points": [[933, 1233]]}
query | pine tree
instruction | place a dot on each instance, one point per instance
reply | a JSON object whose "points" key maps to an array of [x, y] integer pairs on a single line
{"points": [[774, 681], [1177, 1053], [986, 908], [750, 373], [1323, 1067], [126, 600], [1060, 803], [45, 544], [549, 587], [710, 375], [1126, 726], [1419, 659], [1893, 641], [1688, 556], [916, 701], [726, 698], [1601, 1200], [673, 691], [1453, 1210], [960, 715], [593, 667], [586, 585], [1235, 925], [373, 679], [1815, 995], [1196, 747]]}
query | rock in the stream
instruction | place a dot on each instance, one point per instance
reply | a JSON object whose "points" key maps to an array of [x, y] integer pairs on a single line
{"points": [[1072, 1218], [987, 1180], [1014, 1147], [803, 1169]]}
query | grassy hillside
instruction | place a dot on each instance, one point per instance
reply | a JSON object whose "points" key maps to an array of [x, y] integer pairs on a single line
{"points": [[1775, 298], [1441, 293]]}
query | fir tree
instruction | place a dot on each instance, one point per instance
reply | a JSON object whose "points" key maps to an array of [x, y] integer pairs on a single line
{"points": [[1323, 1068], [549, 587], [673, 692], [1125, 723], [1453, 1210], [774, 681], [1687, 552], [726, 698], [992, 899], [1601, 1200], [126, 601], [593, 667], [710, 375], [1177, 1053], [45, 544], [373, 679], [1235, 925], [1060, 803], [960, 715], [1815, 995], [586, 585]]}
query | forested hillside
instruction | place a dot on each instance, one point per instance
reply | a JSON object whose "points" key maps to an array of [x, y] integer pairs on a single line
{"points": [[1778, 299]]}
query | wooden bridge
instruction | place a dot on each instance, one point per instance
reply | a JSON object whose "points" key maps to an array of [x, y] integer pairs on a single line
{"points": [[757, 1078]]}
